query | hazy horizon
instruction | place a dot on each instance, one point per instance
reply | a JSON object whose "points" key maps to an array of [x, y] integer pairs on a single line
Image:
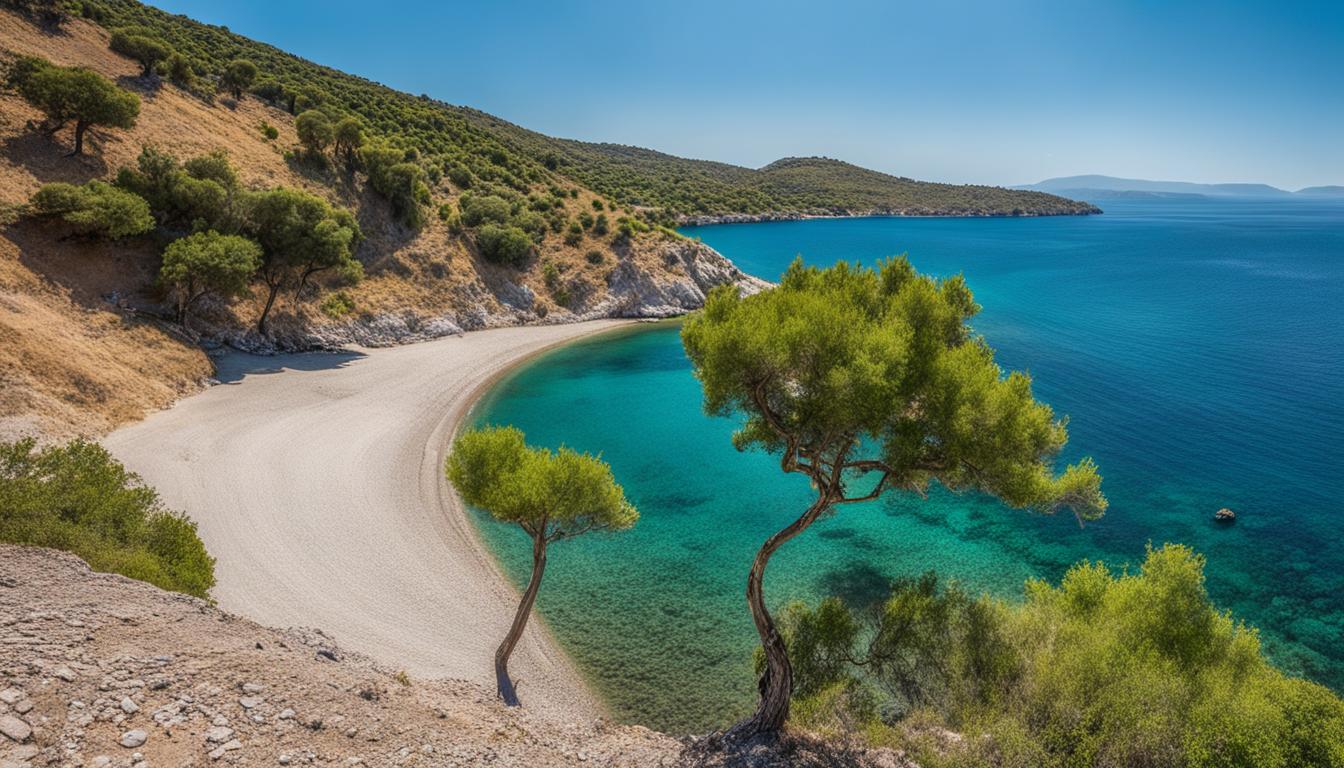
{"points": [[976, 93]]}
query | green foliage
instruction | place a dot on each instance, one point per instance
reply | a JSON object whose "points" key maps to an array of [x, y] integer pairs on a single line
{"points": [[315, 131], [238, 76], [1104, 669], [201, 194], [595, 257], [181, 71], [48, 13], [348, 137], [550, 494], [509, 246], [574, 234], [96, 208], [877, 371], [601, 226], [208, 263], [338, 305], [146, 49], [269, 131], [484, 209], [301, 235], [76, 497], [401, 182], [72, 94]]}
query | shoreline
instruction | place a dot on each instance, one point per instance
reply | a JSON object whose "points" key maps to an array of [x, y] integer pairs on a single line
{"points": [[321, 494], [710, 220]]}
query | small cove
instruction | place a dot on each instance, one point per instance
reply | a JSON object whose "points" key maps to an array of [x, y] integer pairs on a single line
{"points": [[1195, 345]]}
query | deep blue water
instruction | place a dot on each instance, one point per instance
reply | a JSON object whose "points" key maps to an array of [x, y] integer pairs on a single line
{"points": [[1196, 347]]}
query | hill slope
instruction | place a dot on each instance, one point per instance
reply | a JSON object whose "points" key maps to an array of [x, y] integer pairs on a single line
{"points": [[1094, 183], [461, 138], [87, 339]]}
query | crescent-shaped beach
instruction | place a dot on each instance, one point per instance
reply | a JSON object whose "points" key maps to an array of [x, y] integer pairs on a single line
{"points": [[316, 481]]}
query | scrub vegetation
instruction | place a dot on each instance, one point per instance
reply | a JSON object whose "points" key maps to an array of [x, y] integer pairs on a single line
{"points": [[1105, 668], [469, 147], [76, 497]]}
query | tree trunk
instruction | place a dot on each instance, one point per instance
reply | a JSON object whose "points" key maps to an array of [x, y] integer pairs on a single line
{"points": [[80, 128], [502, 680], [266, 311], [776, 682]]}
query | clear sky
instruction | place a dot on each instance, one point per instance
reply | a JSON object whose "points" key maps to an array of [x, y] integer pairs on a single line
{"points": [[988, 92]]}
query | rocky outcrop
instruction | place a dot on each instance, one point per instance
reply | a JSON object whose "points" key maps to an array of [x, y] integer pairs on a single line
{"points": [[687, 271]]}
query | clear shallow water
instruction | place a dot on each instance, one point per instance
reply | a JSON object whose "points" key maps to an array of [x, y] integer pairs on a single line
{"points": [[1195, 346]]}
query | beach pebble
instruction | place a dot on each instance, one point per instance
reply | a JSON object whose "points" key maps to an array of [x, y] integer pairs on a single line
{"points": [[14, 728], [11, 695], [65, 673], [218, 734], [132, 739], [128, 706]]}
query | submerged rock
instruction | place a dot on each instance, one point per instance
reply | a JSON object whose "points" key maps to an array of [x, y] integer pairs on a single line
{"points": [[1224, 515]]}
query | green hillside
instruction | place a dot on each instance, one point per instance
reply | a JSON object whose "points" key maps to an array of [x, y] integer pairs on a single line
{"points": [[468, 146]]}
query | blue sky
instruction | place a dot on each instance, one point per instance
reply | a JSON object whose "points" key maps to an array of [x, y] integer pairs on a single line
{"points": [[987, 92]]}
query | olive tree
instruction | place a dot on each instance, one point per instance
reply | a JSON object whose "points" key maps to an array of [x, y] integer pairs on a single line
{"points": [[315, 131], [208, 263], [94, 209], [348, 137], [868, 382], [550, 495], [238, 77], [300, 235], [147, 50], [73, 94]]}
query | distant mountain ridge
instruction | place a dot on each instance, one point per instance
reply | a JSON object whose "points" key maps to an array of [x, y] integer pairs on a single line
{"points": [[1099, 186]]}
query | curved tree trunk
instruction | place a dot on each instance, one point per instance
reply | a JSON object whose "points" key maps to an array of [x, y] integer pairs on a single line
{"points": [[776, 682], [502, 680]]}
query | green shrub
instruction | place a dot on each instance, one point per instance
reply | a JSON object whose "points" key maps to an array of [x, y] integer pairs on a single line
{"points": [[601, 227], [574, 234], [96, 208], [1134, 668], [76, 497], [338, 305], [269, 131], [595, 257], [509, 246], [200, 194], [483, 209]]}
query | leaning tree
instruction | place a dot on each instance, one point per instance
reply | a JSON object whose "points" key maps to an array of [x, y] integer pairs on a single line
{"points": [[72, 94], [550, 495], [867, 382]]}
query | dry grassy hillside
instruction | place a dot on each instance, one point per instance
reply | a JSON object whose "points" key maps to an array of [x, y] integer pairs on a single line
{"points": [[83, 343]]}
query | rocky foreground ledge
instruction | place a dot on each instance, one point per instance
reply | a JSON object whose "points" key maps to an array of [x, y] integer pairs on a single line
{"points": [[99, 670]]}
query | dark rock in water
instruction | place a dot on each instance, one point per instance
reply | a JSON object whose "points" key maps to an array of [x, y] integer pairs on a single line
{"points": [[1224, 515]]}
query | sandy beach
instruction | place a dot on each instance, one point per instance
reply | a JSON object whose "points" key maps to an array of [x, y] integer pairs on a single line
{"points": [[316, 480]]}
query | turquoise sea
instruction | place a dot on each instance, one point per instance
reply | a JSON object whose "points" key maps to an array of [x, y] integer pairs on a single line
{"points": [[1197, 348]]}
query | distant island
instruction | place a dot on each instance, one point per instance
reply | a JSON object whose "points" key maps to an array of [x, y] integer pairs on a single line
{"points": [[1097, 187]]}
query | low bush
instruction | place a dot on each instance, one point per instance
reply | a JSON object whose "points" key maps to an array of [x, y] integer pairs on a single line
{"points": [[77, 498], [1129, 668], [96, 209], [509, 246]]}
